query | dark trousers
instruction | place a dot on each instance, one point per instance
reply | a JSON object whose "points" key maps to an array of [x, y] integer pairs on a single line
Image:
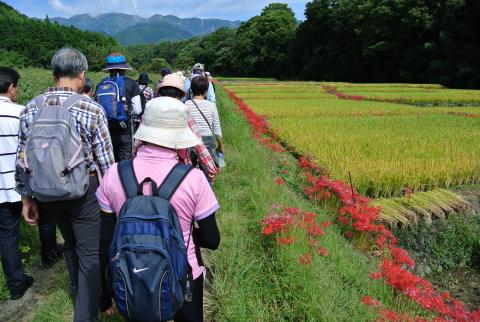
{"points": [[79, 223], [122, 146], [47, 230], [193, 311], [9, 246], [107, 229]]}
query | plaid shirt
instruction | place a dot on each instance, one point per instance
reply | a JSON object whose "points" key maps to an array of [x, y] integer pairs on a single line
{"points": [[201, 150], [91, 124], [147, 92]]}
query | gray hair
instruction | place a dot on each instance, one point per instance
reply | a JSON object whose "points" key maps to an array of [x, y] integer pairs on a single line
{"points": [[69, 62]]}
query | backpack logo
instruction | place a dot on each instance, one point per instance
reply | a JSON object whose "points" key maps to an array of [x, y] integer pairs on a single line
{"points": [[136, 270]]}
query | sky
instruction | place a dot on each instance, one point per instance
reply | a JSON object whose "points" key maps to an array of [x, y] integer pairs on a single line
{"points": [[220, 9]]}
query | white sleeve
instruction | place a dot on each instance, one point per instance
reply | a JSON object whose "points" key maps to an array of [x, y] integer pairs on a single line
{"points": [[136, 105]]}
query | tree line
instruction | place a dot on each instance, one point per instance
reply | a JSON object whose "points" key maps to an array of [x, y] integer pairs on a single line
{"points": [[32, 42], [421, 41]]}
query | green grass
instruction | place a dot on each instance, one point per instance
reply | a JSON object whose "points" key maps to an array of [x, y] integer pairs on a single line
{"points": [[256, 280], [30, 250]]}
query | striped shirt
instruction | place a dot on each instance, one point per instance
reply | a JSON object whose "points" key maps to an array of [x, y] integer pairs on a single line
{"points": [[209, 110], [9, 124], [91, 123]]}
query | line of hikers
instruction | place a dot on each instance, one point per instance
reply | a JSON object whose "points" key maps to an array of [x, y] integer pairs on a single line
{"points": [[126, 174]]}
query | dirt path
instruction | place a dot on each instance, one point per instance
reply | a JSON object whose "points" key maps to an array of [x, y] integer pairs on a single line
{"points": [[24, 309]]}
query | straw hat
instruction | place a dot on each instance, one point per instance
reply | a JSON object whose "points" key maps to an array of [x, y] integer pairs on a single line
{"points": [[165, 123], [173, 80]]}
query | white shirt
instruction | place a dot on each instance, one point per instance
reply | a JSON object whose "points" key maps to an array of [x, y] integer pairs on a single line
{"points": [[9, 128]]}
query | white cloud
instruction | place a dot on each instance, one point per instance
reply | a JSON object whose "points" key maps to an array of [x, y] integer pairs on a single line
{"points": [[58, 6]]}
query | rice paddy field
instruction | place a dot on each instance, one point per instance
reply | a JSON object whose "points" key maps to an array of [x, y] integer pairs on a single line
{"points": [[387, 147], [418, 94]]}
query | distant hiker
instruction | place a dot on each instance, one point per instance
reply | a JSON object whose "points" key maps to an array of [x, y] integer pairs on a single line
{"points": [[10, 206], [163, 132], [206, 116], [172, 87], [145, 91], [120, 98], [198, 70], [181, 74], [146, 94], [88, 88], [164, 72], [82, 135]]}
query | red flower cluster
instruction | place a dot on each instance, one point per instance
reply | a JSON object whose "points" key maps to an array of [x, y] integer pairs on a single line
{"points": [[260, 128], [282, 220], [333, 90], [356, 214], [279, 181]]}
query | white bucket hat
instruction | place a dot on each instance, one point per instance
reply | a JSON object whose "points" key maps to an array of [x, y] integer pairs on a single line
{"points": [[165, 123]]}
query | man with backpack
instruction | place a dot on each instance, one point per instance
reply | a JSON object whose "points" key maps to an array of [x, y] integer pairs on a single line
{"points": [[198, 70], [10, 201], [155, 260], [120, 98], [64, 144]]}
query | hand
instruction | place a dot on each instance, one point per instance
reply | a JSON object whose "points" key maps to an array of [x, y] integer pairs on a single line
{"points": [[30, 211], [211, 176]]}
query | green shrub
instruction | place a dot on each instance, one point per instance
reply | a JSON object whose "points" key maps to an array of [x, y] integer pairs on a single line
{"points": [[443, 244]]}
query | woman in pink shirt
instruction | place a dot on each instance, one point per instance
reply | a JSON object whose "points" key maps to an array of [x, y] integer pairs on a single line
{"points": [[164, 129]]}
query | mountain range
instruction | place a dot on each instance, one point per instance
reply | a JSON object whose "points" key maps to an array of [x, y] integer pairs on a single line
{"points": [[134, 30]]}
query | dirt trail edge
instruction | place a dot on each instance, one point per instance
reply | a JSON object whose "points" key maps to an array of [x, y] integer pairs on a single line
{"points": [[21, 310]]}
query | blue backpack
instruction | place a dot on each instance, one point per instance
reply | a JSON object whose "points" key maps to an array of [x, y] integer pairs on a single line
{"points": [[150, 272], [111, 96]]}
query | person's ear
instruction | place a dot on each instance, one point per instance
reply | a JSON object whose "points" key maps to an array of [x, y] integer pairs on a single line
{"points": [[82, 76], [12, 92]]}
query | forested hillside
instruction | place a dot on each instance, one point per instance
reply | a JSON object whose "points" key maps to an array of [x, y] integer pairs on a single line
{"points": [[134, 30], [32, 42], [346, 40]]}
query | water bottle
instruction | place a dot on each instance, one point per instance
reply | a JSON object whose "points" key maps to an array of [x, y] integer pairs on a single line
{"points": [[221, 160]]}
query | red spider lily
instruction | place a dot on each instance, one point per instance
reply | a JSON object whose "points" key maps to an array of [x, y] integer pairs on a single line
{"points": [[376, 275], [313, 242], [357, 215], [325, 224], [322, 251], [368, 300], [305, 259], [315, 230], [348, 234], [285, 240], [279, 181]]}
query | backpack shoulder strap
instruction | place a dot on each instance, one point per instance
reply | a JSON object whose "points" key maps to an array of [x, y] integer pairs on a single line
{"points": [[40, 100], [173, 180], [128, 178], [72, 100], [203, 115]]}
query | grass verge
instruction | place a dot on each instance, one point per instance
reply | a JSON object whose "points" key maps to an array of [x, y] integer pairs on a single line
{"points": [[257, 280]]}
